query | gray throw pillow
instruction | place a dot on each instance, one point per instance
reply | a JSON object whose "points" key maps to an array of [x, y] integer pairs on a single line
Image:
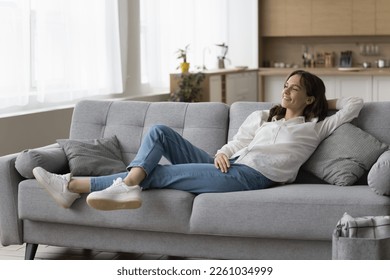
{"points": [[343, 157], [379, 176], [51, 158], [93, 157]]}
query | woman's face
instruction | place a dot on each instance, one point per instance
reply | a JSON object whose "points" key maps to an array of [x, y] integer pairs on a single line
{"points": [[294, 97]]}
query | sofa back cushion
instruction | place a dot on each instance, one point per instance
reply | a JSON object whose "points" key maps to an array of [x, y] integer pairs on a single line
{"points": [[204, 124], [239, 111], [374, 118]]}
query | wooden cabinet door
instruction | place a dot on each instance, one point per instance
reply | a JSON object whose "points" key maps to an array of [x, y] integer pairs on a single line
{"points": [[363, 17], [331, 17], [215, 88], [355, 86], [381, 86], [382, 17], [272, 18], [298, 17], [241, 87]]}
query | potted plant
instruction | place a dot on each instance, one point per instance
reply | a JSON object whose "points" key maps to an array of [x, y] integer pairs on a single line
{"points": [[190, 88], [182, 54]]}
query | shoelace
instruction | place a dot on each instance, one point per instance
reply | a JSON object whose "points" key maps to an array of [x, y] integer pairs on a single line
{"points": [[63, 177], [118, 182]]}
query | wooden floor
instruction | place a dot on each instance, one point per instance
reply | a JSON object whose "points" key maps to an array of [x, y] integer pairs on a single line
{"points": [[16, 252]]}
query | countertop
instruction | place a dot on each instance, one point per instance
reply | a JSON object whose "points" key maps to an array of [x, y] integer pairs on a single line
{"points": [[354, 71]]}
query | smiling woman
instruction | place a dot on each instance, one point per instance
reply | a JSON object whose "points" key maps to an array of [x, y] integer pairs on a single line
{"points": [[303, 95]]}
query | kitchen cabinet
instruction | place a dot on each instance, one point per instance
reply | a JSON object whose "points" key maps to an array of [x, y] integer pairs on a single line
{"points": [[382, 17], [272, 18], [381, 88], [336, 86], [363, 17], [348, 86], [226, 85], [298, 18], [212, 90], [331, 17], [324, 17], [331, 87], [285, 17], [241, 87]]}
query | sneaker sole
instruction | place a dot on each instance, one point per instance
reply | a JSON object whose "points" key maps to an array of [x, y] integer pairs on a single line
{"points": [[106, 204], [47, 187]]}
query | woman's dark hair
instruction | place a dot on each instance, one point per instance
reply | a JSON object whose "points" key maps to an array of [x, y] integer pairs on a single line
{"points": [[314, 86]]}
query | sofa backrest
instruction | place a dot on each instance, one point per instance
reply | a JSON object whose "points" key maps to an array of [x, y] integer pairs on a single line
{"points": [[204, 124], [208, 125], [374, 118]]}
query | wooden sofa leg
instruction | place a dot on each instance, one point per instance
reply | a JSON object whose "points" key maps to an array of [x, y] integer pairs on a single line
{"points": [[31, 249]]}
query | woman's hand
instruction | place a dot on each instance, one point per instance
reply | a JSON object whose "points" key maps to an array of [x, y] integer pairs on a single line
{"points": [[222, 162]]}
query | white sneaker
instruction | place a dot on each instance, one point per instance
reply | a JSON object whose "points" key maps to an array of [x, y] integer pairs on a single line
{"points": [[117, 196], [57, 186]]}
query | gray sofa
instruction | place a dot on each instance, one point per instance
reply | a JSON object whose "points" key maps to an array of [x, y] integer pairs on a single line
{"points": [[293, 221]]}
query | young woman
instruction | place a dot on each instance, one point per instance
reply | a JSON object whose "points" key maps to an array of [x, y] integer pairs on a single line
{"points": [[268, 149]]}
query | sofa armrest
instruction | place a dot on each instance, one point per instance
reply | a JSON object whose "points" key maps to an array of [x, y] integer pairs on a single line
{"points": [[10, 224], [14, 169]]}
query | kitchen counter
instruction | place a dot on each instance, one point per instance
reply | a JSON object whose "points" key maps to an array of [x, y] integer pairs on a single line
{"points": [[232, 70], [354, 71]]}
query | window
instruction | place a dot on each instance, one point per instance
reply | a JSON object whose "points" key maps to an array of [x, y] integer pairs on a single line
{"points": [[169, 25], [58, 50]]}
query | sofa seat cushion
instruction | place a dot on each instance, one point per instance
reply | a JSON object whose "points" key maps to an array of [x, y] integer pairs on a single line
{"points": [[297, 211], [162, 210]]}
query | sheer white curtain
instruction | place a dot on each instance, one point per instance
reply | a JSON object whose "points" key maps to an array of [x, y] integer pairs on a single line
{"points": [[68, 49], [169, 25], [14, 53]]}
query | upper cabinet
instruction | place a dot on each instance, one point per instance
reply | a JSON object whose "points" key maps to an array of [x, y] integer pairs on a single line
{"points": [[285, 17], [331, 17], [273, 21], [382, 17], [298, 17], [363, 17], [324, 17]]}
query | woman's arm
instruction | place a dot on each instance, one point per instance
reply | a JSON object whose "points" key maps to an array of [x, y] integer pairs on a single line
{"points": [[348, 109], [245, 134]]}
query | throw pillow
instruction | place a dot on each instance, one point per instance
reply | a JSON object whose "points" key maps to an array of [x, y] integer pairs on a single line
{"points": [[343, 157], [93, 157], [52, 159], [379, 176]]}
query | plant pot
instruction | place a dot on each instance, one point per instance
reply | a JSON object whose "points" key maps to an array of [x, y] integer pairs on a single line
{"points": [[185, 67]]}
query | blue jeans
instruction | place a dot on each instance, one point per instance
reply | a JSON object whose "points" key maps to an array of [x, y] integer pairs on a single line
{"points": [[192, 169]]}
